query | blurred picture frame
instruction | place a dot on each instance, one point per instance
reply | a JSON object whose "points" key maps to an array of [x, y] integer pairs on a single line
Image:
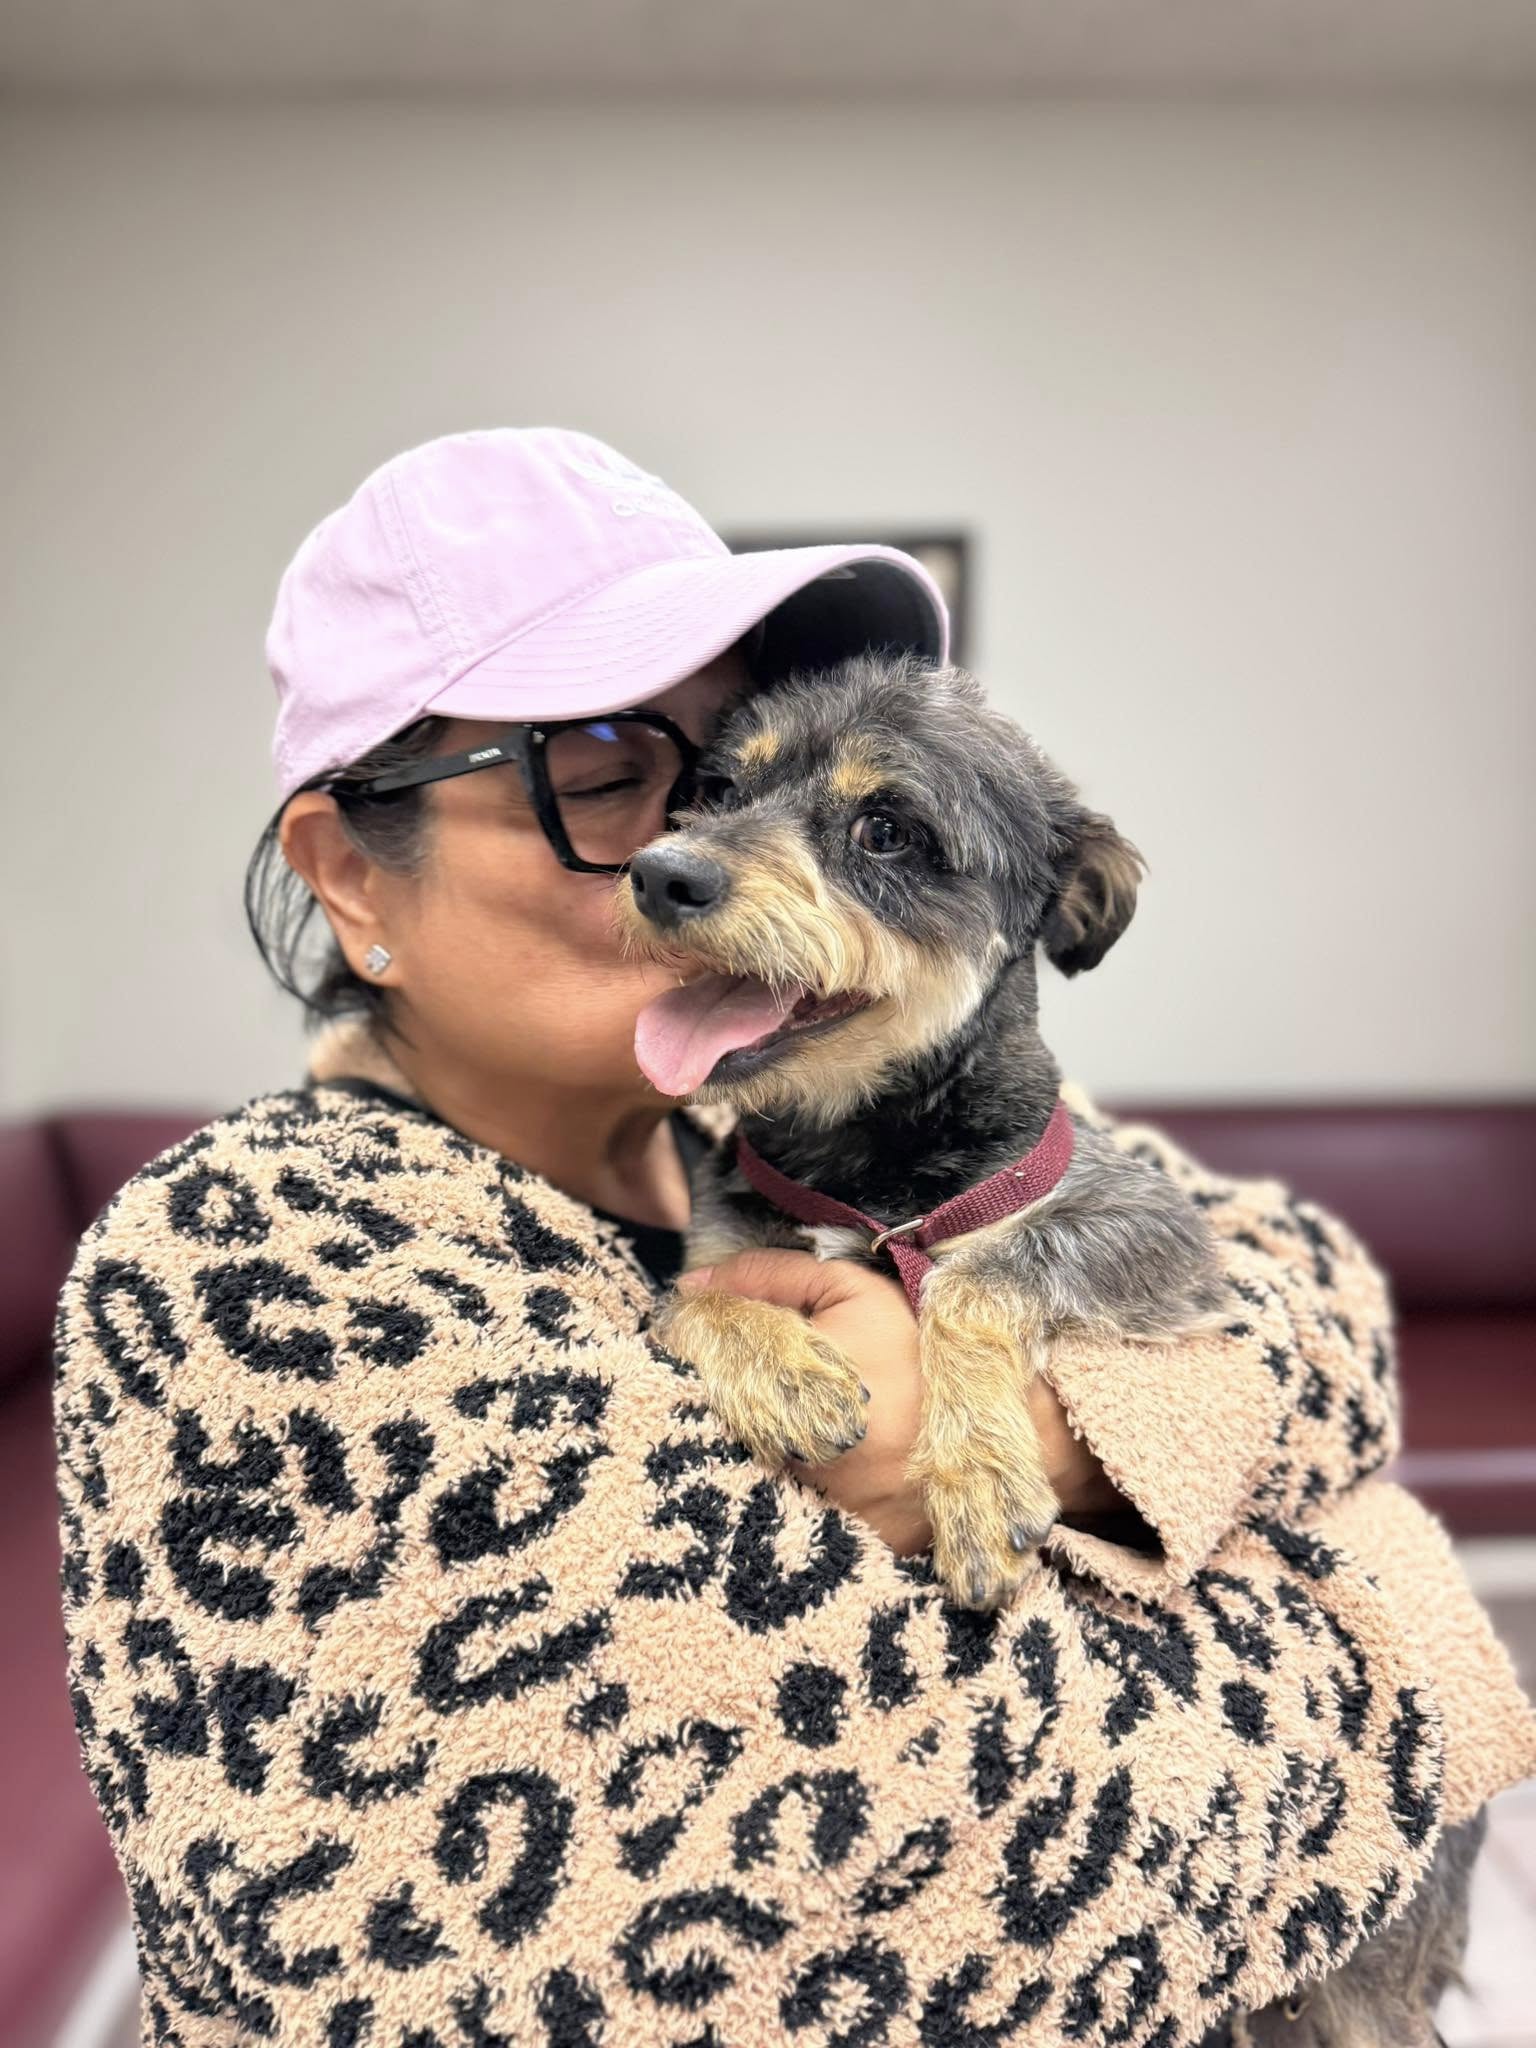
{"points": [[946, 557]]}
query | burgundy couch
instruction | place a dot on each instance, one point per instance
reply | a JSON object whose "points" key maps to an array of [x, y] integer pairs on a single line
{"points": [[1442, 1194]]}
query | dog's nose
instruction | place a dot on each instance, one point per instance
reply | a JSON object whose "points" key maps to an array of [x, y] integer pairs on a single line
{"points": [[672, 884]]}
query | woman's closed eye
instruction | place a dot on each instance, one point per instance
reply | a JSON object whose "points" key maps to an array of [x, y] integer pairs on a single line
{"points": [[618, 785]]}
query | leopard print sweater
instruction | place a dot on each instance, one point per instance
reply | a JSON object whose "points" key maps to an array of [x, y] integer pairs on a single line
{"points": [[447, 1680]]}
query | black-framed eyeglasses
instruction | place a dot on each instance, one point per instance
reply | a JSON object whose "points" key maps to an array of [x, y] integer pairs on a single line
{"points": [[601, 788]]}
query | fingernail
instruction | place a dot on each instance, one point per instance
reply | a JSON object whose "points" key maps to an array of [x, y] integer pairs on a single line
{"points": [[699, 1277]]}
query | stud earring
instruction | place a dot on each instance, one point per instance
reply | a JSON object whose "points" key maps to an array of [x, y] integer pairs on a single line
{"points": [[377, 958]]}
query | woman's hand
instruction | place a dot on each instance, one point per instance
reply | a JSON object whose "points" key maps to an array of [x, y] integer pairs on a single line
{"points": [[866, 1314]]}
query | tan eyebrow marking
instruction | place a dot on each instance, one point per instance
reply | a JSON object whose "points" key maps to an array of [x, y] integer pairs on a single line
{"points": [[855, 775], [761, 748]]}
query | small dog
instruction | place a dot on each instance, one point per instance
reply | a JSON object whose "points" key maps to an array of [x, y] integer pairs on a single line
{"points": [[855, 902], [873, 860]]}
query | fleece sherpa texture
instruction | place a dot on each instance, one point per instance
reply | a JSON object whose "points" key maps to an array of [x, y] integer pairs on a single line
{"points": [[445, 1676]]}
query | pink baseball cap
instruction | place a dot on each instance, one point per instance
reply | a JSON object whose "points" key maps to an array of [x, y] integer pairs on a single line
{"points": [[533, 572]]}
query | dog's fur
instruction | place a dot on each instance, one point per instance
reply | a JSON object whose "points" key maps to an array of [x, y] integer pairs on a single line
{"points": [[937, 1082]]}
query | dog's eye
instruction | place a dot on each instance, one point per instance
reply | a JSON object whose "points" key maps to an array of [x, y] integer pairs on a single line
{"points": [[1294, 2006], [713, 790], [879, 832]]}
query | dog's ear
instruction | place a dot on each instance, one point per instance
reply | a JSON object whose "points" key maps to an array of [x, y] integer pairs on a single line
{"points": [[1095, 893]]}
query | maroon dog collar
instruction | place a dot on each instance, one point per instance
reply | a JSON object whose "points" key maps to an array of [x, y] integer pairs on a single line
{"points": [[1015, 1187]]}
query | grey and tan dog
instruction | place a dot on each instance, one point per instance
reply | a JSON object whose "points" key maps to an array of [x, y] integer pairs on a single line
{"points": [[855, 907]]}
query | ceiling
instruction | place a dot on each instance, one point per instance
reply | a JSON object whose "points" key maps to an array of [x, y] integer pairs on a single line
{"points": [[764, 46]]}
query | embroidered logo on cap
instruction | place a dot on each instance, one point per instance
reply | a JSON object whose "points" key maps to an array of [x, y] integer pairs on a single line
{"points": [[632, 490]]}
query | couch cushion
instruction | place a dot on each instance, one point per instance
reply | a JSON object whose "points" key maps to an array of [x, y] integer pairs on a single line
{"points": [[58, 1877], [1440, 1193], [102, 1149], [1469, 1419], [38, 1231]]}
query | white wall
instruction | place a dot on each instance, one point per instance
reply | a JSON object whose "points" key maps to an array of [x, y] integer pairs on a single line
{"points": [[1240, 404]]}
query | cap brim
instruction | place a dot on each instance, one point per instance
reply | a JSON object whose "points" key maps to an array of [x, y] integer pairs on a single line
{"points": [[640, 635]]}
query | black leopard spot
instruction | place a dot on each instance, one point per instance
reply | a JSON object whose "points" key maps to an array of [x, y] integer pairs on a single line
{"points": [[1037, 1913], [970, 1638], [323, 1461], [1319, 1913], [703, 1973], [920, 1856], [243, 1696], [643, 1850], [232, 1294], [1245, 1710], [398, 1937], [446, 1687], [256, 1464], [811, 1704], [213, 1206], [604, 1708], [135, 1327], [945, 2023], [387, 1333], [760, 1594], [347, 2024], [1241, 1621], [547, 1312], [890, 1677], [465, 1301], [193, 1526], [1163, 1652], [122, 1575], [572, 2012], [534, 1244], [174, 1724], [840, 1803], [331, 1771], [462, 1851], [868, 1971], [242, 1904], [465, 1524], [1115, 1994], [1414, 1774], [1316, 1396]]}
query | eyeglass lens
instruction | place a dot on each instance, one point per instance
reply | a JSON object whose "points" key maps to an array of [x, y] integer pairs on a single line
{"points": [[611, 781]]}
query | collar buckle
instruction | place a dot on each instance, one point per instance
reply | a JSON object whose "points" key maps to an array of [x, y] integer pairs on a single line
{"points": [[896, 1230]]}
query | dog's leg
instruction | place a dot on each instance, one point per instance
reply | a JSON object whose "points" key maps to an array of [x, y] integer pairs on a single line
{"points": [[977, 1455], [775, 1384]]}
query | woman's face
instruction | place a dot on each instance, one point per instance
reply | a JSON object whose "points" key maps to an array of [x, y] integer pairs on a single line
{"points": [[508, 968]]}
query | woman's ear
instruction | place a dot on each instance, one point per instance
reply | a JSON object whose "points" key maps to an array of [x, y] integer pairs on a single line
{"points": [[316, 846], [1095, 894]]}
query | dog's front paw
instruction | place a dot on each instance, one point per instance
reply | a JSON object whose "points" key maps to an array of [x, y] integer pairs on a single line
{"points": [[986, 1526], [774, 1384]]}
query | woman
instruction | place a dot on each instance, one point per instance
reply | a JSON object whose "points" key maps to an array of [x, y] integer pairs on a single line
{"points": [[444, 1674]]}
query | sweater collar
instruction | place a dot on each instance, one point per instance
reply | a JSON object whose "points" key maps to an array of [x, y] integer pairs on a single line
{"points": [[347, 1049]]}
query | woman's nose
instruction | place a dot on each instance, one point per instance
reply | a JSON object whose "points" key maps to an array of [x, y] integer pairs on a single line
{"points": [[672, 884]]}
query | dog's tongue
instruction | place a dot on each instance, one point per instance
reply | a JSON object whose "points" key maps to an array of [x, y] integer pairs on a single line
{"points": [[680, 1035]]}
